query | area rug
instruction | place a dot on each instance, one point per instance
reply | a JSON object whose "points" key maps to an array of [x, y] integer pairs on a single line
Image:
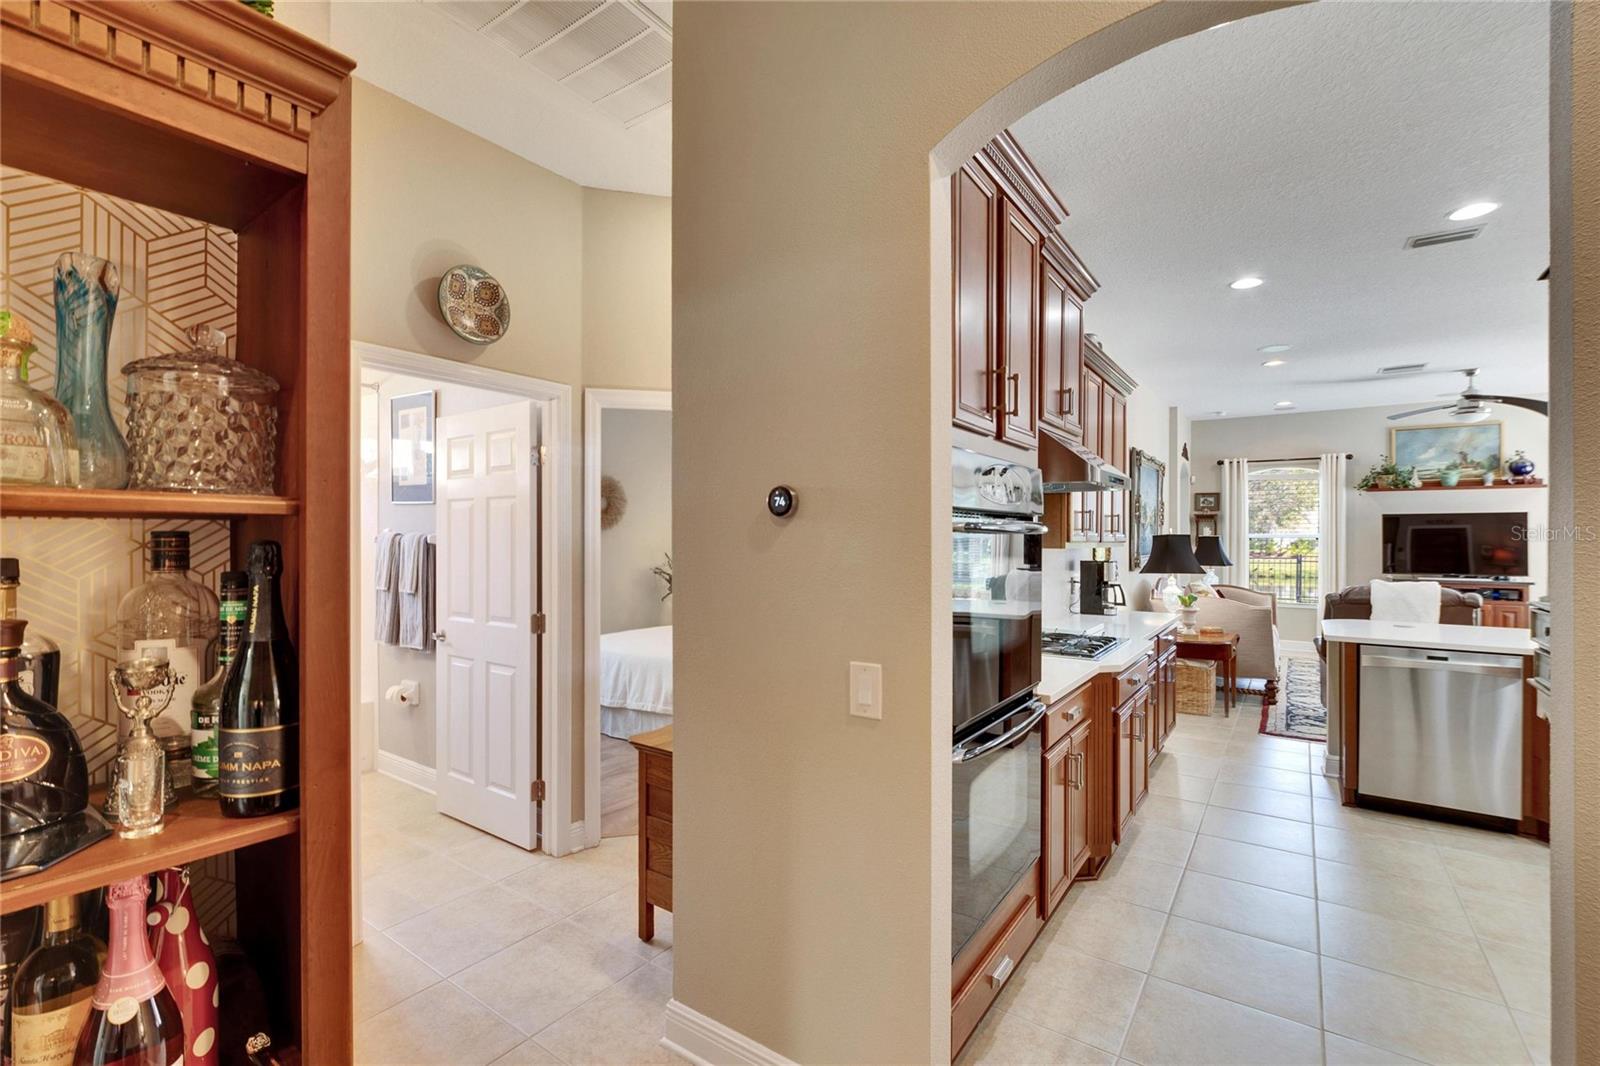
{"points": [[1299, 713]]}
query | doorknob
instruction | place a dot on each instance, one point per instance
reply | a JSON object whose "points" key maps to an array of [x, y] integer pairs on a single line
{"points": [[438, 636]]}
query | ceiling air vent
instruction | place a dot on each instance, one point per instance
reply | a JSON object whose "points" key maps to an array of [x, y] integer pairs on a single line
{"points": [[1430, 240], [1401, 368]]}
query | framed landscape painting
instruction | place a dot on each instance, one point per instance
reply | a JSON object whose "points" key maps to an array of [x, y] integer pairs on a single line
{"points": [[1146, 502], [1472, 446]]}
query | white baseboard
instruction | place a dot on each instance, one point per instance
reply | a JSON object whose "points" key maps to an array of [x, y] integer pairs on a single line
{"points": [[707, 1042], [1297, 647], [1332, 765], [412, 773]]}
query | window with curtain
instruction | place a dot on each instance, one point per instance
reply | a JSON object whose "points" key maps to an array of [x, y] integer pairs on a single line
{"points": [[1284, 521]]}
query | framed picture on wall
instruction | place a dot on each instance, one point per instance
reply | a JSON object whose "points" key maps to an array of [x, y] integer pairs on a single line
{"points": [[411, 448], [1207, 502], [1205, 525], [1146, 501]]}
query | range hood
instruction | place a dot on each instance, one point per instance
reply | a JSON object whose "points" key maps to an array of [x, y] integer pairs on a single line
{"points": [[1073, 468]]}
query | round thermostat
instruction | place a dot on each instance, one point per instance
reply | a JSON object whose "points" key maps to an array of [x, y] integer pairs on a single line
{"points": [[781, 501]]}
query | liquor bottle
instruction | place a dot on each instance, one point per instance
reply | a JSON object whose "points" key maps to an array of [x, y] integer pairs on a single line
{"points": [[52, 990], [19, 935], [258, 765], [38, 445], [187, 965], [43, 777], [235, 613], [41, 656], [171, 611], [134, 1020]]}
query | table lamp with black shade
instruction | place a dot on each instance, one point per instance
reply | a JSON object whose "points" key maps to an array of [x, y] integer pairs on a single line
{"points": [[1172, 554], [1210, 552]]}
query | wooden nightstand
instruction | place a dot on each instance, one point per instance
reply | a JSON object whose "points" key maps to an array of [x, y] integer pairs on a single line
{"points": [[655, 826]]}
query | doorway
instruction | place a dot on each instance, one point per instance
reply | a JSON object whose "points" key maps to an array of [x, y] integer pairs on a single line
{"points": [[460, 483], [627, 590]]}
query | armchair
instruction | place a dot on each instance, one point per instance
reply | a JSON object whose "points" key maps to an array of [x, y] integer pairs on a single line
{"points": [[1254, 616]]}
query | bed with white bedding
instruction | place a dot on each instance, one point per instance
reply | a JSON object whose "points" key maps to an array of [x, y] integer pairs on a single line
{"points": [[635, 681]]}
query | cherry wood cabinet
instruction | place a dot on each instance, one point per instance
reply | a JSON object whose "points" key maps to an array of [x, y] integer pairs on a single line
{"points": [[1067, 783], [1504, 615], [1018, 384], [975, 218], [1114, 450], [1080, 749], [1126, 728], [1060, 353]]}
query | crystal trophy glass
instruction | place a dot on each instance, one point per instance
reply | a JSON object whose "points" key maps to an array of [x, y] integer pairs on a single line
{"points": [[141, 688]]}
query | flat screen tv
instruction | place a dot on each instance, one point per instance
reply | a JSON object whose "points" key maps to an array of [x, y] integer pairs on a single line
{"points": [[1469, 545]]}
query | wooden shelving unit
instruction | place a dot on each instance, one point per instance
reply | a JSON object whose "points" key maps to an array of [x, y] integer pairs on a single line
{"points": [[218, 113], [1434, 486], [125, 503], [196, 830]]}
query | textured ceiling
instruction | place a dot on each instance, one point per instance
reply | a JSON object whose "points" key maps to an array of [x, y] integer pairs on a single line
{"points": [[1305, 146]]}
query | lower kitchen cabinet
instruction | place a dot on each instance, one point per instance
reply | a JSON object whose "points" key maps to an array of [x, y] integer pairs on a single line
{"points": [[1124, 760], [980, 972], [1066, 810]]}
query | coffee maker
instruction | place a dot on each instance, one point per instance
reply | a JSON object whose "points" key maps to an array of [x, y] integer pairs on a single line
{"points": [[1098, 591]]}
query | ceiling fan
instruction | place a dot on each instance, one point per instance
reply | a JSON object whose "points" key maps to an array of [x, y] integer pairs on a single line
{"points": [[1473, 406]]}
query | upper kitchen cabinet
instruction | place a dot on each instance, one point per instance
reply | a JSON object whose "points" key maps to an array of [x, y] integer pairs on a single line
{"points": [[975, 219], [1018, 294]]}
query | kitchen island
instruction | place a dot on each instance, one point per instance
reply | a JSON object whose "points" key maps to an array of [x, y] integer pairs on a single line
{"points": [[1437, 721]]}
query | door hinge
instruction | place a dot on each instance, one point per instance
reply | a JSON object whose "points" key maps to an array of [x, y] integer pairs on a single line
{"points": [[538, 792], [536, 455], [537, 622]]}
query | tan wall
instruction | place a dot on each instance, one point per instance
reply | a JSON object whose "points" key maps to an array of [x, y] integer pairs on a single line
{"points": [[427, 195], [1575, 561]]}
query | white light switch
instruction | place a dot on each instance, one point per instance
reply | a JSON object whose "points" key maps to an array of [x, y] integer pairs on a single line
{"points": [[866, 690]]}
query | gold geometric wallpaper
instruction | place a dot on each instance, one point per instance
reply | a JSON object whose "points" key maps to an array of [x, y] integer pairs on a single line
{"points": [[176, 272]]}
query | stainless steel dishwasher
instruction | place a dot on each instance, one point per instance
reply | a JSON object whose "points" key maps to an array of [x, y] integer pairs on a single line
{"points": [[1442, 728]]}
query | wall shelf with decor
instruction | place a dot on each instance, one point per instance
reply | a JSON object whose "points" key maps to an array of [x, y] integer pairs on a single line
{"points": [[216, 116], [1433, 486]]}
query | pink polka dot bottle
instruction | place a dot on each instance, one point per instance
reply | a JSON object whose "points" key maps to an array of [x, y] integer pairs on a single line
{"points": [[133, 1019], [184, 955]]}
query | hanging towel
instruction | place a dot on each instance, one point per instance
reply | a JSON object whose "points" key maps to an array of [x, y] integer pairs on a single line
{"points": [[416, 592], [386, 580]]}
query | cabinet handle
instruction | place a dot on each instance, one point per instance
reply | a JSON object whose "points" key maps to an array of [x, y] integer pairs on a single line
{"points": [[1065, 406], [1138, 733], [999, 974], [996, 378], [1077, 760], [1016, 393]]}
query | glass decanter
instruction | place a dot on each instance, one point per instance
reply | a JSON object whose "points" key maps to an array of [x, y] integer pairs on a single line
{"points": [[37, 443], [141, 688], [86, 301], [199, 421]]}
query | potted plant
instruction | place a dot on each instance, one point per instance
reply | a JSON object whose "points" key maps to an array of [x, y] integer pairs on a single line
{"points": [[1450, 476], [1188, 613], [1384, 474]]}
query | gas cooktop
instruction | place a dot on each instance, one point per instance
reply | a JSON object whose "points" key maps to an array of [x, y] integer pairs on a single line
{"points": [[1079, 645]]}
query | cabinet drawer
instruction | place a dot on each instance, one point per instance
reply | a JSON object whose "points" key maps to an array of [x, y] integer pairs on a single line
{"points": [[658, 771], [1131, 680], [1066, 713], [972, 999], [658, 802], [658, 846], [658, 890]]}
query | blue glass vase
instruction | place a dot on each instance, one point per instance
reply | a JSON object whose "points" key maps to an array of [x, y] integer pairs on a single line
{"points": [[86, 301]]}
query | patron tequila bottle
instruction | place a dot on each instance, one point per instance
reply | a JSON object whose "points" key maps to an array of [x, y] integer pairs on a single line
{"points": [[235, 589], [173, 612], [37, 442]]}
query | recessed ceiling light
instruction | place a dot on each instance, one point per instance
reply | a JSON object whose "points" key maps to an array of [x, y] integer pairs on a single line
{"points": [[1247, 282], [1218, 414], [1284, 404], [1274, 362], [1477, 210], [1270, 348]]}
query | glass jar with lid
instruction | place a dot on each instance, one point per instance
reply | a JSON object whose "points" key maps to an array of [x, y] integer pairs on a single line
{"points": [[199, 421]]}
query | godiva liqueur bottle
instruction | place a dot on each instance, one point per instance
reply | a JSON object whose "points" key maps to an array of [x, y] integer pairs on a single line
{"points": [[173, 612], [259, 744], [51, 993], [235, 615], [43, 776]]}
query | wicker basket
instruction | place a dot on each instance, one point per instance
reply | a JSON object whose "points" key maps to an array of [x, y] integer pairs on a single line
{"points": [[1197, 687]]}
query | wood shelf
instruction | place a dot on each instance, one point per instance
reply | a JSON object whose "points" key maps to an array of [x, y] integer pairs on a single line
{"points": [[196, 830], [135, 503], [1434, 486]]}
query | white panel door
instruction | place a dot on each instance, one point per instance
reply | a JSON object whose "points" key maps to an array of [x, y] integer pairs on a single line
{"points": [[486, 662]]}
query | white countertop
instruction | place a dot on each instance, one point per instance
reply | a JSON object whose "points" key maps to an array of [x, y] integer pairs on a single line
{"points": [[1492, 640], [1062, 673]]}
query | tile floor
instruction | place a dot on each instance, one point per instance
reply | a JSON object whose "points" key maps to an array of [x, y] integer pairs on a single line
{"points": [[1252, 919], [475, 951]]}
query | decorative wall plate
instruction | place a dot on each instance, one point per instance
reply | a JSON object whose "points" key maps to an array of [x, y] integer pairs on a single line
{"points": [[474, 305]]}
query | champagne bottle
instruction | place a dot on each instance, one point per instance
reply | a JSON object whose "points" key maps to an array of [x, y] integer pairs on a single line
{"points": [[134, 1020], [235, 612], [41, 656], [52, 989], [259, 745], [187, 964]]}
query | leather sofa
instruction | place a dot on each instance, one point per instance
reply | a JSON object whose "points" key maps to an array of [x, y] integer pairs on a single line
{"points": [[1456, 608]]}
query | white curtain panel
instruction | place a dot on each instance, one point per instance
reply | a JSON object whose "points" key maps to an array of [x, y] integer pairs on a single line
{"points": [[1330, 534], [1236, 520]]}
